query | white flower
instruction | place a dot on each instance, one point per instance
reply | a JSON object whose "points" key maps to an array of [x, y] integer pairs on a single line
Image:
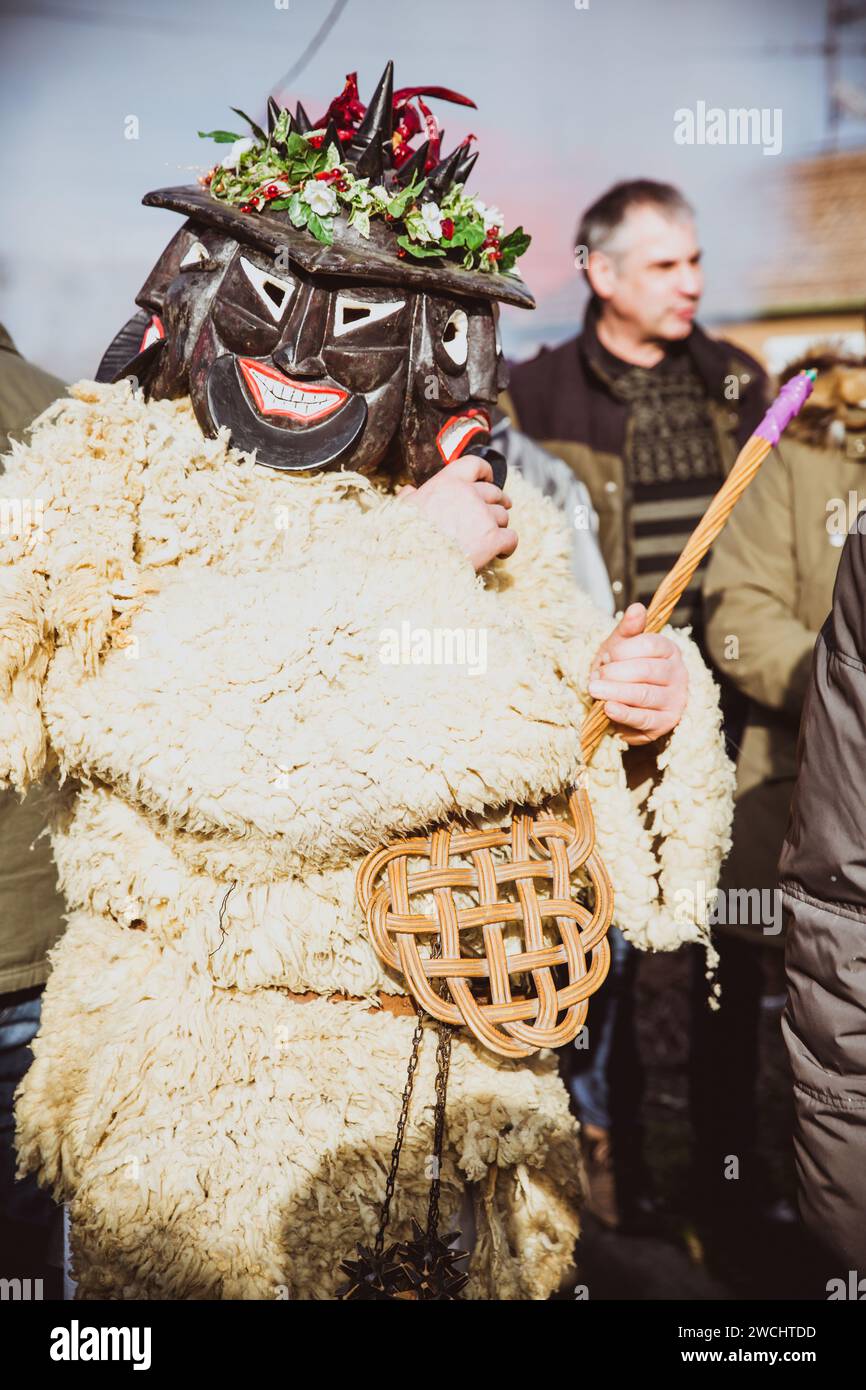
{"points": [[239, 147], [431, 216], [492, 216], [320, 196]]}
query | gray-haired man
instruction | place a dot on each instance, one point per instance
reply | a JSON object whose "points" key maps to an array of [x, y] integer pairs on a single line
{"points": [[649, 412]]}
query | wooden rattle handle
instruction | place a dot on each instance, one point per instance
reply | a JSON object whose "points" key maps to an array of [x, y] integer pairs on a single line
{"points": [[669, 592]]}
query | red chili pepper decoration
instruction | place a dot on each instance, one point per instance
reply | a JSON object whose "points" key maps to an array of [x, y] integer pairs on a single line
{"points": [[347, 111], [443, 93], [433, 135]]}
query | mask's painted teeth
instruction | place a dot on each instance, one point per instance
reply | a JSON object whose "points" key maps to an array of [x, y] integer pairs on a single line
{"points": [[277, 394], [456, 433]]}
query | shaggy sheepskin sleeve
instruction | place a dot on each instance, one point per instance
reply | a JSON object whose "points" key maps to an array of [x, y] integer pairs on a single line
{"points": [[25, 633], [66, 565], [24, 654]]}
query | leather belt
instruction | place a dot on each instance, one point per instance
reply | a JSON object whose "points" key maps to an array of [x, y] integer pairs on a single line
{"points": [[400, 1005]]}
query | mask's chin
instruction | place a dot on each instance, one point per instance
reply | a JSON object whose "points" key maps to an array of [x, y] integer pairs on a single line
{"points": [[293, 425]]}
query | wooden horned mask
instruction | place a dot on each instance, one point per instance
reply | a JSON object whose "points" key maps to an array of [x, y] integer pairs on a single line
{"points": [[334, 346]]}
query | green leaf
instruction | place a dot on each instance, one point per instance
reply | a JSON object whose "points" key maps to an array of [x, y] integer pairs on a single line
{"points": [[281, 129], [303, 157], [316, 161], [360, 218], [222, 137], [468, 233], [515, 243], [421, 252], [416, 185], [256, 129], [321, 227], [296, 146], [332, 157], [279, 203], [399, 203], [299, 211]]}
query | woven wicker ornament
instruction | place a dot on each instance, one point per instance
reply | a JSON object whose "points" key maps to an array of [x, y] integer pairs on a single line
{"points": [[467, 889]]}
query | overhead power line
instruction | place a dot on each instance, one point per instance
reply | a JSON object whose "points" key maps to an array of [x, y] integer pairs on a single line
{"points": [[312, 47]]}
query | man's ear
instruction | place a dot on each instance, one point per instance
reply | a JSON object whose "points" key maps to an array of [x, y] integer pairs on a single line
{"points": [[601, 274]]}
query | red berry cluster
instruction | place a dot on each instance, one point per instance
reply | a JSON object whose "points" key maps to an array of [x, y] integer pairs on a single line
{"points": [[334, 176], [266, 196], [490, 245]]}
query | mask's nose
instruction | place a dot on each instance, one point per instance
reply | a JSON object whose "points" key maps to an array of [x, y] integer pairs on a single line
{"points": [[288, 358], [299, 354]]}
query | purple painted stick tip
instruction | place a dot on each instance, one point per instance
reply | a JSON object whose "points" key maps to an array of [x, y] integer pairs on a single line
{"points": [[787, 404]]}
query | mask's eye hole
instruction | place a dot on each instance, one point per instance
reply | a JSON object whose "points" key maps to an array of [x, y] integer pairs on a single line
{"points": [[196, 255], [351, 313], [273, 292], [455, 339]]}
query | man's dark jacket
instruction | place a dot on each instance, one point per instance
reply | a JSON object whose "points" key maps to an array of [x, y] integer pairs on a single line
{"points": [[563, 399], [823, 880]]}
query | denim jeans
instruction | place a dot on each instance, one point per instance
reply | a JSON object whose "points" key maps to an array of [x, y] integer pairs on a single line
{"points": [[29, 1219], [604, 1079]]}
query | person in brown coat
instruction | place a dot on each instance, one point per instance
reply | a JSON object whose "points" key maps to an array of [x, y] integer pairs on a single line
{"points": [[767, 591]]}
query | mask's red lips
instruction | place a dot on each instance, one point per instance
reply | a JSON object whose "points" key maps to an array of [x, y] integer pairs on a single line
{"points": [[152, 333], [277, 394]]}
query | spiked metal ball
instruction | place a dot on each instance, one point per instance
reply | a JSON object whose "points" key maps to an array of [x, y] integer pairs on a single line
{"points": [[375, 1276], [428, 1266]]}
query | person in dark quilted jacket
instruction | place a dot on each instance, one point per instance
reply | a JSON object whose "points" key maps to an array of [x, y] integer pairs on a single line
{"points": [[823, 882]]}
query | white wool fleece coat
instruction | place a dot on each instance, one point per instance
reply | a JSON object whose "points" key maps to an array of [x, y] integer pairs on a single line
{"points": [[195, 643]]}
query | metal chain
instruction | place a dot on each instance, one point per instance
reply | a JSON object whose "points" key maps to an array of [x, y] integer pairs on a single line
{"points": [[401, 1130], [443, 1064]]}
